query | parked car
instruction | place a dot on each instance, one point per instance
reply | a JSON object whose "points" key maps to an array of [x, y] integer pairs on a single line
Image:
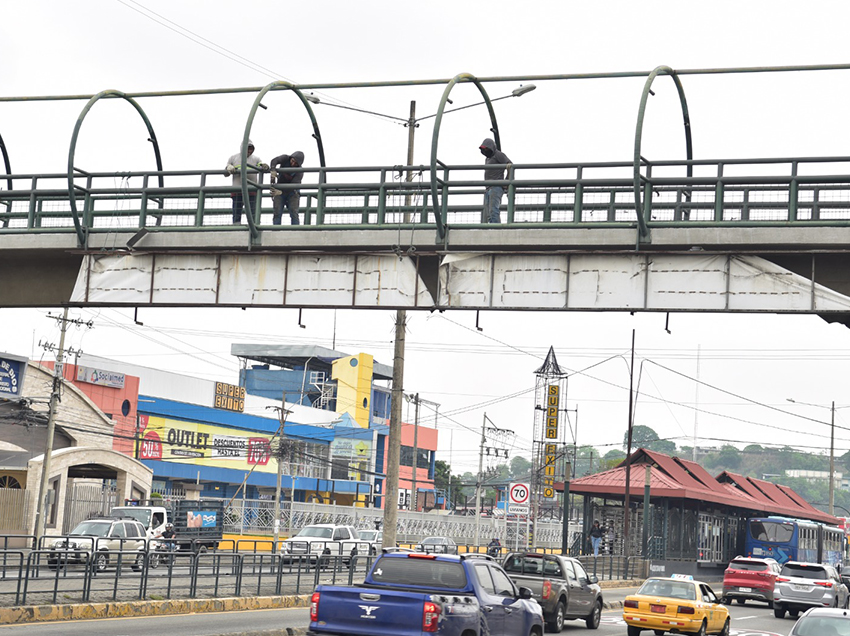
{"points": [[800, 586], [375, 539], [749, 578], [560, 584], [100, 539], [408, 593], [437, 545], [679, 604], [318, 543], [822, 621]]}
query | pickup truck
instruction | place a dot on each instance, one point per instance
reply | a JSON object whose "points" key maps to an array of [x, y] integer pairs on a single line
{"points": [[323, 543], [411, 593], [561, 586]]}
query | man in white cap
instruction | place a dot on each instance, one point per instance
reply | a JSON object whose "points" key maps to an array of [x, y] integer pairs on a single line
{"points": [[233, 167]]}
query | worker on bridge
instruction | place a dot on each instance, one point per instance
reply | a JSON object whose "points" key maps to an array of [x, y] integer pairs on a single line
{"points": [[288, 198], [234, 167], [493, 194]]}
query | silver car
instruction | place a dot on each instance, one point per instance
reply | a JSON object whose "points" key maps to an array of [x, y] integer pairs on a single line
{"points": [[801, 586], [821, 621]]}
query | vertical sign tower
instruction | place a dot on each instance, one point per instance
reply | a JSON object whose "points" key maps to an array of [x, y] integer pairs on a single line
{"points": [[548, 453]]}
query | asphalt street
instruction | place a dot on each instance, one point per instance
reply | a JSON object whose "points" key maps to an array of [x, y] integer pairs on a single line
{"points": [[753, 619]]}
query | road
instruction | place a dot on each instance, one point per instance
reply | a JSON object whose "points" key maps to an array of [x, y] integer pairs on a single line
{"points": [[753, 619]]}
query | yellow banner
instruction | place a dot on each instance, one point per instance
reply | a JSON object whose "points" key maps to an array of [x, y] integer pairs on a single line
{"points": [[205, 445]]}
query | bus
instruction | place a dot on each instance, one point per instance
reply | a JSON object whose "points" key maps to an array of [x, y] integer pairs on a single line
{"points": [[787, 539]]}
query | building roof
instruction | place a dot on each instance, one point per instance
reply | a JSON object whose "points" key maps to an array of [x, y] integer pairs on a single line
{"points": [[290, 356], [677, 478]]}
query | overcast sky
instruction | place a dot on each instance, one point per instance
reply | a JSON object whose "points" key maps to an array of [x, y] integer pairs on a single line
{"points": [[748, 364]]}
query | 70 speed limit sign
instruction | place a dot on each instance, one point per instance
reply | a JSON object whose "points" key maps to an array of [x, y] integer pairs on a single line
{"points": [[519, 494]]}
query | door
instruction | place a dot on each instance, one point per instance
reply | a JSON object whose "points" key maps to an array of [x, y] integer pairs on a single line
{"points": [[584, 594], [491, 603], [514, 611], [573, 602], [715, 617]]}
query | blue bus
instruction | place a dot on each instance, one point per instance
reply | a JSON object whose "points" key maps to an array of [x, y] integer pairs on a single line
{"points": [[787, 539]]}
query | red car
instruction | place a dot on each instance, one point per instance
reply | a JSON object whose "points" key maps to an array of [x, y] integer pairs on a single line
{"points": [[749, 578]]}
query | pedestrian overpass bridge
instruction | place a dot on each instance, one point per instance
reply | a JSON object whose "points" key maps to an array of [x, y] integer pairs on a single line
{"points": [[762, 235]]}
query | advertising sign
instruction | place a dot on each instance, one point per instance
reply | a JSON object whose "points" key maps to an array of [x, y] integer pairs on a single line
{"points": [[551, 447], [100, 377], [200, 519], [205, 445], [12, 372], [229, 397]]}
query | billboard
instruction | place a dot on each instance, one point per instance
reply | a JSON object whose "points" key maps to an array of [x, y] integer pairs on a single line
{"points": [[12, 372], [205, 445]]}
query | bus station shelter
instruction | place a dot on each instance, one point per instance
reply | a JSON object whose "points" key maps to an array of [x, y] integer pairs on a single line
{"points": [[680, 513]]}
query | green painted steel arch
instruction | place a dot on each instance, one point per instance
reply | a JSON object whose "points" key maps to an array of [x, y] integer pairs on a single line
{"points": [[82, 232], [666, 70], [435, 139], [243, 170]]}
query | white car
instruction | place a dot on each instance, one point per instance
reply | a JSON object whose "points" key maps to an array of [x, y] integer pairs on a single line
{"points": [[319, 543], [101, 540]]}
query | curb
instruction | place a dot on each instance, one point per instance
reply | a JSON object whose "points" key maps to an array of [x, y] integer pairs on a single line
{"points": [[612, 605], [117, 609]]}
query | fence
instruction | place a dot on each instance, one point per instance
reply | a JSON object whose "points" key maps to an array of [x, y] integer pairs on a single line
{"points": [[256, 516]]}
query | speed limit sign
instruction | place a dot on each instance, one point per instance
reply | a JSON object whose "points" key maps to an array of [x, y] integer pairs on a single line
{"points": [[519, 494]]}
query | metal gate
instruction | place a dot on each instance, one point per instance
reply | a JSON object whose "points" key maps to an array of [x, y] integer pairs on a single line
{"points": [[85, 501]]}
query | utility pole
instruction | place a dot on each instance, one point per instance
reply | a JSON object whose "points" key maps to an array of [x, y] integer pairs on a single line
{"points": [[414, 495], [391, 484], [41, 502], [280, 449], [478, 484], [629, 455], [832, 458]]}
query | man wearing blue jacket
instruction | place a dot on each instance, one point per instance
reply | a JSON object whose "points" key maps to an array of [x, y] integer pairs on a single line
{"points": [[493, 194]]}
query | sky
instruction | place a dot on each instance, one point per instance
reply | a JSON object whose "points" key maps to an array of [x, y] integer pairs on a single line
{"points": [[747, 366]]}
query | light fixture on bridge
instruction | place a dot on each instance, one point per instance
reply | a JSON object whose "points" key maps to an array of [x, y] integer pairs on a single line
{"points": [[313, 99], [522, 90]]}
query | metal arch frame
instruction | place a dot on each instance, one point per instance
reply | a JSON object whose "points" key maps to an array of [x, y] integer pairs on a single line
{"points": [[82, 232], [243, 168], [643, 228], [6, 160], [435, 138]]}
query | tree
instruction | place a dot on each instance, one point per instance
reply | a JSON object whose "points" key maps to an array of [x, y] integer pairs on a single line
{"points": [[520, 467], [645, 437], [612, 458], [442, 475]]}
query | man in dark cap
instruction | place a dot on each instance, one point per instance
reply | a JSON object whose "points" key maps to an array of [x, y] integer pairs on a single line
{"points": [[288, 198], [493, 194], [233, 167]]}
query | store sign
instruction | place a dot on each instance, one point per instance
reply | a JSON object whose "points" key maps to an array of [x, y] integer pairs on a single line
{"points": [[553, 402], [229, 397], [12, 372], [205, 445], [100, 377]]}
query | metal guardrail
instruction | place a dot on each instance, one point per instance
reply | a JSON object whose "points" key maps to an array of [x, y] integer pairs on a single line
{"points": [[782, 191]]}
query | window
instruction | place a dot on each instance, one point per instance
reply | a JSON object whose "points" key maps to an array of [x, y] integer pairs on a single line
{"points": [[771, 531], [804, 571], [581, 573], [7, 481], [420, 573], [341, 534], [571, 575], [551, 567], [132, 530], [482, 572], [504, 586], [158, 519], [118, 531], [707, 594]]}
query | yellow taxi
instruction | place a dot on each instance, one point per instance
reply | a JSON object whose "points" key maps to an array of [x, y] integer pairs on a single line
{"points": [[679, 605]]}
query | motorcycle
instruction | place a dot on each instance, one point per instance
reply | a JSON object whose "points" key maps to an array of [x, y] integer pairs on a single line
{"points": [[494, 551], [161, 552]]}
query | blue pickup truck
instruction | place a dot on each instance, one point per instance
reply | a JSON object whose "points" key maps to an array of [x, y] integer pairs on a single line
{"points": [[410, 593]]}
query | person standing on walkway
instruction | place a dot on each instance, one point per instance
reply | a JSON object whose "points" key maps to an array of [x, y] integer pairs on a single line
{"points": [[233, 167], [596, 535], [611, 537], [493, 194], [288, 198]]}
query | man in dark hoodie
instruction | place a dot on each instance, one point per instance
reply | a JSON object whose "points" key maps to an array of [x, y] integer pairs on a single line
{"points": [[288, 198], [493, 194]]}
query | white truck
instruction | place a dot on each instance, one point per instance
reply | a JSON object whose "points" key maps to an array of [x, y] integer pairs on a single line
{"points": [[320, 543], [198, 524]]}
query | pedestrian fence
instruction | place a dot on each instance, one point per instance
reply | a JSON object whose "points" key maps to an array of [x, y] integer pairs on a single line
{"points": [[244, 568]]}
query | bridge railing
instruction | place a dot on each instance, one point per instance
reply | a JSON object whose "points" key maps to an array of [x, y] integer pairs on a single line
{"points": [[734, 192]]}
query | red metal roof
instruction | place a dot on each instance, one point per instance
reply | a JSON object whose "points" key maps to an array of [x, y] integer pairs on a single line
{"points": [[679, 478]]}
